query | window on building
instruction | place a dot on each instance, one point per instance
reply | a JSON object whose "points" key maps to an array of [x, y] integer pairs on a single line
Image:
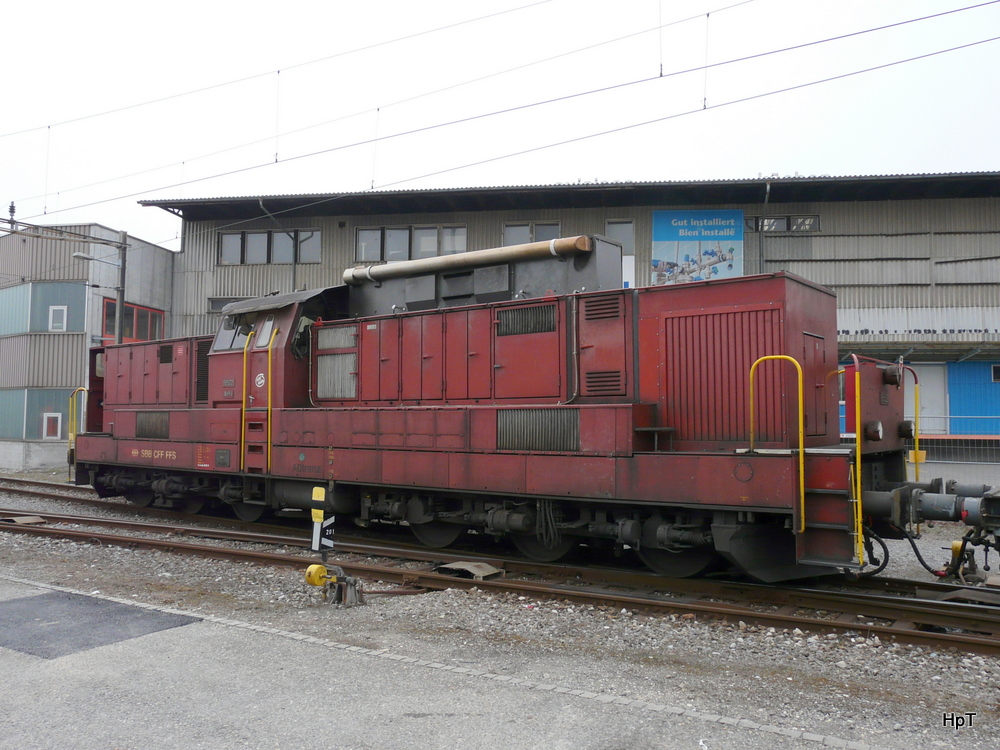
{"points": [[996, 373], [622, 231], [215, 304], [51, 426], [803, 223], [57, 318], [259, 248], [397, 243], [376, 244], [781, 223], [452, 240], [532, 231], [140, 323]]}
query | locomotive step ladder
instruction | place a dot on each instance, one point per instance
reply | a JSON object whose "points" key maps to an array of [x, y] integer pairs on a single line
{"points": [[827, 518], [829, 532]]}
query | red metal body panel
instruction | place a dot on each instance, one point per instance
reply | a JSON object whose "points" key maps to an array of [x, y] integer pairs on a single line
{"points": [[415, 469], [700, 340], [530, 365], [434, 389], [880, 402], [300, 462], [388, 353], [150, 453], [209, 457], [709, 479], [604, 338], [97, 448], [504, 473], [225, 384], [480, 353], [571, 476], [362, 466]]}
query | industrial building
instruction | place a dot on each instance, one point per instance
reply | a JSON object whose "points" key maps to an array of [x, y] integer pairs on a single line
{"points": [[914, 259], [53, 308]]}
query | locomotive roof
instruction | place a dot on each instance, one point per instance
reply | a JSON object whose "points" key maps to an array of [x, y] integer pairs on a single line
{"points": [[276, 301]]}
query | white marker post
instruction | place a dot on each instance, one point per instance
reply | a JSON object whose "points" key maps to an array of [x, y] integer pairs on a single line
{"points": [[322, 535]]}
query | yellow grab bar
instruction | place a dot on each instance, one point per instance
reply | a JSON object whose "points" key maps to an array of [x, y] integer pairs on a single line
{"points": [[71, 431], [270, 345], [802, 430], [243, 404]]}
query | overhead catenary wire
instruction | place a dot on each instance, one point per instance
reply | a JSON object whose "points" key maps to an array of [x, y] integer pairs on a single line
{"points": [[741, 100], [329, 199], [244, 79], [508, 110], [567, 97], [406, 100]]}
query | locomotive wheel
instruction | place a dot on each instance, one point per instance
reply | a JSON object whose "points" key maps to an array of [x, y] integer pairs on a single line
{"points": [[140, 497], [437, 534], [532, 547], [684, 564], [247, 512], [192, 505]]}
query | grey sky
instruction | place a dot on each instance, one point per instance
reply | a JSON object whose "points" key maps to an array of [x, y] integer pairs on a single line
{"points": [[354, 76]]}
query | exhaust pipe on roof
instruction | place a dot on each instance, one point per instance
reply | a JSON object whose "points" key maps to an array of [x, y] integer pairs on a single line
{"points": [[565, 246]]}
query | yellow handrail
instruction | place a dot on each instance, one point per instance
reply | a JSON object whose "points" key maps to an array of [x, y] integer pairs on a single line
{"points": [[916, 429], [243, 404], [71, 428], [916, 422], [859, 435], [802, 430], [269, 351]]}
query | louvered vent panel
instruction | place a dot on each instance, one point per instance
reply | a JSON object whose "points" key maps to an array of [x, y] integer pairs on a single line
{"points": [[201, 376], [538, 430], [337, 376], [602, 308], [166, 354], [707, 361], [341, 337], [152, 425], [607, 383], [538, 319]]}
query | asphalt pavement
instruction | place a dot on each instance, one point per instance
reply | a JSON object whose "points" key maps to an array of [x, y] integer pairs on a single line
{"points": [[89, 672]]}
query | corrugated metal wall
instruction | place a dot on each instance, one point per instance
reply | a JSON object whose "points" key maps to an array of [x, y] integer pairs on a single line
{"points": [[973, 398], [15, 304], [43, 360], [880, 255], [47, 294], [11, 414], [40, 402]]}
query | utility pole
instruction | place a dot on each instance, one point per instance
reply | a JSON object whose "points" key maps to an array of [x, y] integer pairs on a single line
{"points": [[120, 302]]}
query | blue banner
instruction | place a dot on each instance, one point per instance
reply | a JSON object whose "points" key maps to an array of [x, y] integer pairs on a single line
{"points": [[697, 245]]}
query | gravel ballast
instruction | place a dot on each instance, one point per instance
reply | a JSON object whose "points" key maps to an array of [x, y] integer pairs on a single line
{"points": [[853, 687]]}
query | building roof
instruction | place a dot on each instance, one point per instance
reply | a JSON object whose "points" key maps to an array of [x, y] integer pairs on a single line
{"points": [[593, 195]]}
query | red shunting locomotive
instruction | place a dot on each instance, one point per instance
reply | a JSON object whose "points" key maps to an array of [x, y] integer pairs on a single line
{"points": [[521, 392]]}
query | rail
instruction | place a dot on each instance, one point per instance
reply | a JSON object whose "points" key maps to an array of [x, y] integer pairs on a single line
{"points": [[963, 618], [802, 431]]}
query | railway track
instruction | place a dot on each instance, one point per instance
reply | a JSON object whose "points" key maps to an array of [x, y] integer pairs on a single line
{"points": [[932, 614]]}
